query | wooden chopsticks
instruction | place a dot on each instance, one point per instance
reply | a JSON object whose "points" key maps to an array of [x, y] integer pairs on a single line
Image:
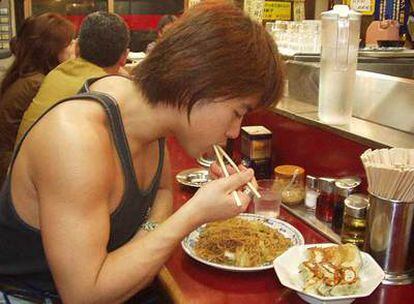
{"points": [[220, 152]]}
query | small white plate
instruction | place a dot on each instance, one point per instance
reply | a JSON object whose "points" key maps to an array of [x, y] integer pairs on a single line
{"points": [[284, 228], [287, 270], [195, 177]]}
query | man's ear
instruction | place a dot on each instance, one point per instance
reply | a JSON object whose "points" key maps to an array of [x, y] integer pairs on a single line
{"points": [[76, 46], [122, 60]]}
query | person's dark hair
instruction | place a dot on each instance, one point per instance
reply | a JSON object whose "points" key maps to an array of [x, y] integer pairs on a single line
{"points": [[37, 46], [165, 20], [103, 38], [213, 51]]}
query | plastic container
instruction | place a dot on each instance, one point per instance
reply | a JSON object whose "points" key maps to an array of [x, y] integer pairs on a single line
{"points": [[292, 193], [340, 42]]}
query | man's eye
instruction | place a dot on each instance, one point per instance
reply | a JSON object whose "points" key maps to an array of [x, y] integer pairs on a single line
{"points": [[237, 114]]}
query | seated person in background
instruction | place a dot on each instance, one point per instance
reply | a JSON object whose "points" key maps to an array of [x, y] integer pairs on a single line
{"points": [[103, 49], [165, 22], [86, 176], [41, 44], [12, 45]]}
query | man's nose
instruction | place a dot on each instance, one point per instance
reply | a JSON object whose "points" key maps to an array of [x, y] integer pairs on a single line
{"points": [[234, 130]]}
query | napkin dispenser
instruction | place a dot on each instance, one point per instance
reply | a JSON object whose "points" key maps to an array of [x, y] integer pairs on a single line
{"points": [[256, 149]]}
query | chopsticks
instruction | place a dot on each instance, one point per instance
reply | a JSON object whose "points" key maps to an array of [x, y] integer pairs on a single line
{"points": [[390, 173], [249, 184], [220, 152], [226, 173]]}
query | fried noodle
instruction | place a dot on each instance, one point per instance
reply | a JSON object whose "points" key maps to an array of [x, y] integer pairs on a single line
{"points": [[240, 242]]}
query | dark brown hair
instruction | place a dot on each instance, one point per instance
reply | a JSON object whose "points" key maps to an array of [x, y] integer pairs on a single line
{"points": [[37, 46], [213, 51]]}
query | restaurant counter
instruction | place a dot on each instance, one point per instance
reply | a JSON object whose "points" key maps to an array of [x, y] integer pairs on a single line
{"points": [[188, 281]]}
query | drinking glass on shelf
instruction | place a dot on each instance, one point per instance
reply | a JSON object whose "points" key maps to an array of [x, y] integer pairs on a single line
{"points": [[269, 26], [279, 33], [269, 203], [297, 36]]}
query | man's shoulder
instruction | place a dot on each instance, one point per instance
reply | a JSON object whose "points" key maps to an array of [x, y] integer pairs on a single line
{"points": [[54, 77], [73, 69]]}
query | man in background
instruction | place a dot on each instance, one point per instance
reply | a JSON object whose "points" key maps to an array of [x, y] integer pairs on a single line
{"points": [[103, 49], [165, 22]]}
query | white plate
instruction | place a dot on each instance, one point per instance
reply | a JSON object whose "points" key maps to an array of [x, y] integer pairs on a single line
{"points": [[136, 55], [284, 228], [195, 177], [287, 270]]}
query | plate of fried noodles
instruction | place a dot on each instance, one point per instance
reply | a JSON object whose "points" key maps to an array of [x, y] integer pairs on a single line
{"points": [[247, 242]]}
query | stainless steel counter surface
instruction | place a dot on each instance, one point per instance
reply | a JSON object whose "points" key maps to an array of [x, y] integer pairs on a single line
{"points": [[359, 130]]}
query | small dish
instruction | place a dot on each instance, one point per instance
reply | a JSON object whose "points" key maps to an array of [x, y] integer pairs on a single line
{"points": [[195, 177], [287, 270], [206, 160]]}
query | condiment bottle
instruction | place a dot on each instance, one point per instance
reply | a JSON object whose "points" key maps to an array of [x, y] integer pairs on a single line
{"points": [[312, 193], [355, 212], [326, 199], [344, 187], [291, 180]]}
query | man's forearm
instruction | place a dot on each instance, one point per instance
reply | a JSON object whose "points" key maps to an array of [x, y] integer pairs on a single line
{"points": [[162, 207], [131, 267]]}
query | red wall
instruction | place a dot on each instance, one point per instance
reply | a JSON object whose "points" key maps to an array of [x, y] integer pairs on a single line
{"points": [[320, 152], [135, 22]]}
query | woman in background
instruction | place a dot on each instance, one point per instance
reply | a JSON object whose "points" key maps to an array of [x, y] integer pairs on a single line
{"points": [[42, 43]]}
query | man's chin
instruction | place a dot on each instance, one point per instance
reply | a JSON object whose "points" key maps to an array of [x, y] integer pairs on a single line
{"points": [[198, 153], [191, 151]]}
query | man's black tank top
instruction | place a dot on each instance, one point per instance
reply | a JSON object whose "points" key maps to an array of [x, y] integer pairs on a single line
{"points": [[22, 257]]}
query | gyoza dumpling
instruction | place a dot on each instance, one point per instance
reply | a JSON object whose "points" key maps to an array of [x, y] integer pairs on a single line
{"points": [[312, 285], [315, 254], [306, 271], [351, 256], [345, 289]]}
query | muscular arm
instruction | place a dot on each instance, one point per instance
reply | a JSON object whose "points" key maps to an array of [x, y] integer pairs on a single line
{"points": [[73, 175]]}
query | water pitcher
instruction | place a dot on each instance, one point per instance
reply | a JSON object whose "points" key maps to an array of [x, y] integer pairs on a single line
{"points": [[340, 41]]}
